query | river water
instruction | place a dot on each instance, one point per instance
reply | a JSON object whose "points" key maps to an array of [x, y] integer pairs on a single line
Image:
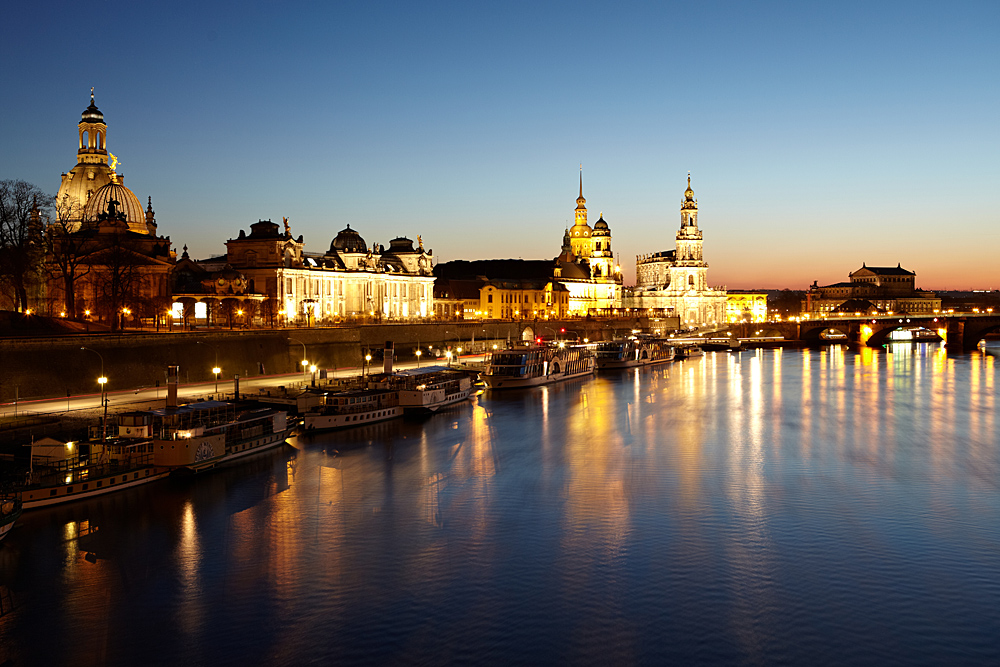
{"points": [[764, 507]]}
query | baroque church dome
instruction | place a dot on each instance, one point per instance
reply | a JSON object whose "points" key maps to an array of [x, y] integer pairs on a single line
{"points": [[129, 204], [348, 240]]}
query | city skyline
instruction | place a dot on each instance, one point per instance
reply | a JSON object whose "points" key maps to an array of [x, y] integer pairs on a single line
{"points": [[817, 139]]}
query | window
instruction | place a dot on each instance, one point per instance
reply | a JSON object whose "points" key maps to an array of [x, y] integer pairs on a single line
{"points": [[489, 298]]}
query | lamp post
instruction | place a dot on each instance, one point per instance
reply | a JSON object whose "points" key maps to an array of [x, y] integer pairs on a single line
{"points": [[305, 362], [103, 380], [312, 369], [215, 368], [418, 357], [368, 361]]}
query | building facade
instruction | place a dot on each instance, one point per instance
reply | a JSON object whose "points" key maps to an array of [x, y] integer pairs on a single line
{"points": [[746, 306], [348, 281], [871, 289], [676, 281]]}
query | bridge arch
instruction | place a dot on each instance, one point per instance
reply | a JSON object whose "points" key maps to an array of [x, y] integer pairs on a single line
{"points": [[527, 334], [813, 334]]}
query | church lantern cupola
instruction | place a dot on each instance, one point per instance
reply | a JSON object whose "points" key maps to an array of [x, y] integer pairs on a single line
{"points": [[93, 135]]}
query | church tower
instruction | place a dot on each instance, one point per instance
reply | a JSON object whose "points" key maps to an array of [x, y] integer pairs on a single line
{"points": [[689, 238], [91, 172], [580, 232], [689, 272]]}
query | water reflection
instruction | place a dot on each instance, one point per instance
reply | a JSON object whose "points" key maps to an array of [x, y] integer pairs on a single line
{"points": [[798, 506]]}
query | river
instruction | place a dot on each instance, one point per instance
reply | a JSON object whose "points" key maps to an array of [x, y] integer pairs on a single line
{"points": [[788, 506]]}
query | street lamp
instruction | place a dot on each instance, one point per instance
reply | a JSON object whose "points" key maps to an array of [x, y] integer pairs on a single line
{"points": [[102, 380], [305, 363], [312, 369], [368, 361], [418, 357], [215, 369]]}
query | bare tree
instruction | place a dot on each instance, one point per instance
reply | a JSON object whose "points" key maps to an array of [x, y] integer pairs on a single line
{"points": [[118, 283], [66, 252], [22, 208]]}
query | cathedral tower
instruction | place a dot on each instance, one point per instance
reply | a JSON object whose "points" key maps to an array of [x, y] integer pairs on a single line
{"points": [[689, 238], [580, 232]]}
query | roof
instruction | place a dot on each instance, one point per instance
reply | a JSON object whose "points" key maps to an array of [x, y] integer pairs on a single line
{"points": [[445, 288], [856, 305], [886, 270], [496, 269]]}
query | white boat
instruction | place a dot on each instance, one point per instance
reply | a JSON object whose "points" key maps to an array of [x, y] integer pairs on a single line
{"points": [[535, 365], [10, 510], [66, 471], [432, 388], [632, 352], [199, 436], [354, 407], [689, 351]]}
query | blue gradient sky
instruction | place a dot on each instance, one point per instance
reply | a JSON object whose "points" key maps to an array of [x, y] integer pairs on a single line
{"points": [[818, 136]]}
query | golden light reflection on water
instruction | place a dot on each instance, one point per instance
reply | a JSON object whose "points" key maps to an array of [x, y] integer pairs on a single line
{"points": [[188, 559], [709, 467]]}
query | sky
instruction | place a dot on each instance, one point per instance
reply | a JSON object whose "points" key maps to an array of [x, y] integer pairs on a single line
{"points": [[818, 135]]}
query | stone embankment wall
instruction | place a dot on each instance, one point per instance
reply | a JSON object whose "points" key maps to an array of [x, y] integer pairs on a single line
{"points": [[56, 366]]}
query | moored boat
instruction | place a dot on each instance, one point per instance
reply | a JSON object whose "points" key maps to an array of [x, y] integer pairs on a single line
{"points": [[354, 407], [10, 510], [65, 471], [535, 365], [632, 352], [689, 351], [432, 388], [199, 436]]}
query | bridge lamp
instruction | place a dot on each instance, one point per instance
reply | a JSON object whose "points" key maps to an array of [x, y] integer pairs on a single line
{"points": [[216, 370]]}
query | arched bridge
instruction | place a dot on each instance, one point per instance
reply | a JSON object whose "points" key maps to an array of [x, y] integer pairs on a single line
{"points": [[962, 331]]}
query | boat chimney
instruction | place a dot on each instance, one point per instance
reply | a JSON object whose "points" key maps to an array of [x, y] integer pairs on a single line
{"points": [[173, 372], [236, 381], [387, 358]]}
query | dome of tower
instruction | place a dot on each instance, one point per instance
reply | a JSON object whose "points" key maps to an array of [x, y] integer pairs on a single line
{"points": [[348, 240], [92, 114], [601, 228], [128, 203]]}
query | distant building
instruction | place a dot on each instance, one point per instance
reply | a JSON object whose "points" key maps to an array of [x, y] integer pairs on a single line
{"points": [[676, 281], [457, 299], [350, 280], [744, 306], [503, 289], [871, 290]]}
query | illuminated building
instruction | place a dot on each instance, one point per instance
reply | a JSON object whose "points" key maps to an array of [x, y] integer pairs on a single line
{"points": [[586, 266], [523, 299], [746, 306], [103, 253], [677, 280], [349, 280], [871, 290]]}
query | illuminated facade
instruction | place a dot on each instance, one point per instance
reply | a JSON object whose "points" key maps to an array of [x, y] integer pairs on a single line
{"points": [[746, 307], [872, 289], [677, 280], [349, 280], [586, 265], [523, 299]]}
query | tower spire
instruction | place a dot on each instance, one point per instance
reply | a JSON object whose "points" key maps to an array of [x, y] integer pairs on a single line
{"points": [[581, 180]]}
